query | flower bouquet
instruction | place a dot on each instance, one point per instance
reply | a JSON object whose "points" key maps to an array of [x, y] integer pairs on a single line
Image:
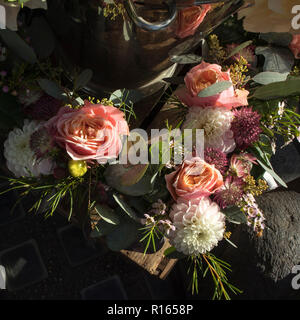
{"points": [[188, 182]]}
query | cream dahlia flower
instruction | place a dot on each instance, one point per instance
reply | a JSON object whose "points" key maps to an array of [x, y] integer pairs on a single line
{"points": [[199, 226], [20, 158], [216, 123]]}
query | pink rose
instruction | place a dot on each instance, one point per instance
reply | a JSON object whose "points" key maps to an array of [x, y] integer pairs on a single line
{"points": [[89, 133], [194, 179], [189, 19], [295, 45], [203, 76]]}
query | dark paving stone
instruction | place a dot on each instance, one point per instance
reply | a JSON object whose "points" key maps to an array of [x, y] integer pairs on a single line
{"points": [[7, 202], [286, 161], [23, 265], [77, 249], [168, 289], [109, 289]]}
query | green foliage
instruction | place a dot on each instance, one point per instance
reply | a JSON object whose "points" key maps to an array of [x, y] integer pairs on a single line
{"points": [[50, 195], [235, 215], [217, 269], [214, 89], [107, 214]]}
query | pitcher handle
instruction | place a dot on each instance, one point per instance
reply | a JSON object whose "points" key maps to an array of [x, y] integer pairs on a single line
{"points": [[149, 26]]}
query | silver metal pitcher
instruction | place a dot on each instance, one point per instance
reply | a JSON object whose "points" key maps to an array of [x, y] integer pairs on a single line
{"points": [[134, 49]]}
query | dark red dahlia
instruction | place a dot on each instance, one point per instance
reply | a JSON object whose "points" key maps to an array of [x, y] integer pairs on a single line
{"points": [[245, 127]]}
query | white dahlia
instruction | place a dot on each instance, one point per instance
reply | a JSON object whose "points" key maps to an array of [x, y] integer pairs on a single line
{"points": [[216, 123], [199, 226], [21, 160]]}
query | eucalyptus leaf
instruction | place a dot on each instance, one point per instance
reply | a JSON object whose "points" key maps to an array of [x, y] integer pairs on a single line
{"points": [[239, 48], [42, 37], [175, 80], [113, 176], [186, 59], [123, 236], [276, 59], [107, 214], [270, 77], [272, 173], [235, 214], [126, 96], [52, 89], [278, 90], [125, 207], [15, 43], [278, 38], [102, 229], [214, 89], [84, 78]]}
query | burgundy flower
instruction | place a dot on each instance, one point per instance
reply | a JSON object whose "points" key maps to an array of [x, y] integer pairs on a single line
{"points": [[216, 157], [245, 127], [231, 192]]}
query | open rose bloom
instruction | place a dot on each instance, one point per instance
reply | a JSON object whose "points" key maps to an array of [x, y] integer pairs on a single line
{"points": [[189, 19], [92, 132], [203, 76], [194, 179]]}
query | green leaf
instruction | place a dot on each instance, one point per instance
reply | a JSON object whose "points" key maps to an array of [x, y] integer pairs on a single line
{"points": [[239, 48], [123, 236], [270, 77], [126, 96], [102, 229], [125, 207], [278, 90], [172, 253], [107, 214], [15, 43], [272, 173], [276, 59], [175, 80], [214, 89], [278, 38], [42, 37], [52, 89], [84, 78], [186, 59], [235, 214], [113, 176]]}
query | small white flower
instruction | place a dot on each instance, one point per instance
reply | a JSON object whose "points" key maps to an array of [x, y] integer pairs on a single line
{"points": [[20, 158], [200, 225], [216, 123]]}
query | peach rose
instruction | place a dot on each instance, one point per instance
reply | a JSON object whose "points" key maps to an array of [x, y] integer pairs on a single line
{"points": [[194, 179], [203, 76], [295, 46], [89, 133], [189, 19]]}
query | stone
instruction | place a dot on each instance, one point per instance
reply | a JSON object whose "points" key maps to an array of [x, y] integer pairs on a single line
{"points": [[23, 265], [109, 289], [77, 248], [261, 267]]}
